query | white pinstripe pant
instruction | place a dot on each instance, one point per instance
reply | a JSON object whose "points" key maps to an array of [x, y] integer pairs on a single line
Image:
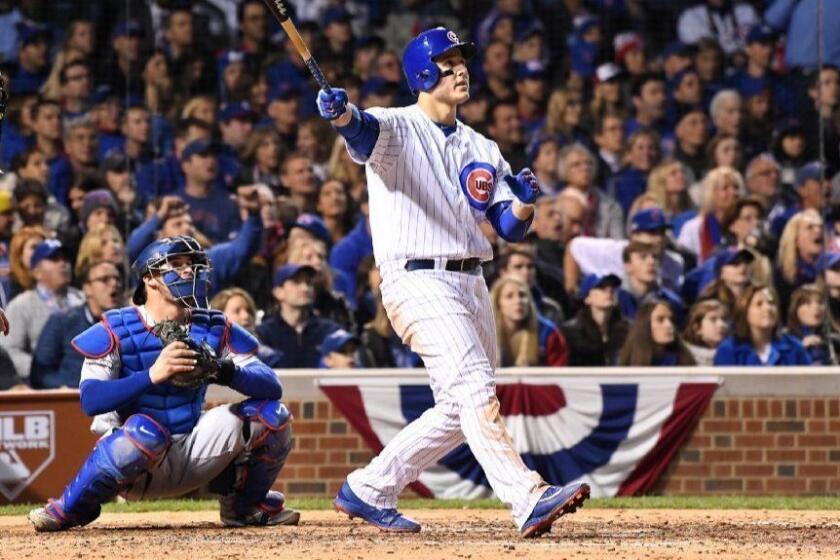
{"points": [[446, 318]]}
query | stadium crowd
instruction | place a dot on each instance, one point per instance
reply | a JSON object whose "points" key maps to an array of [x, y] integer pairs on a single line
{"points": [[687, 152]]}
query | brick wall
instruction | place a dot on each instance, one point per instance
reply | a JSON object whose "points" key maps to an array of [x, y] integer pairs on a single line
{"points": [[760, 446], [740, 446]]}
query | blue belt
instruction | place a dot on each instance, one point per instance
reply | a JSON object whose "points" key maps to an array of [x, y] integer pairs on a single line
{"points": [[452, 265]]}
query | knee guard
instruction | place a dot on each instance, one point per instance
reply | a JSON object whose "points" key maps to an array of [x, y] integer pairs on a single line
{"points": [[116, 461], [267, 427]]}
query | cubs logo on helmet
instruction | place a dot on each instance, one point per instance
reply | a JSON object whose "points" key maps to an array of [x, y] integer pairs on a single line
{"points": [[477, 180], [419, 65]]}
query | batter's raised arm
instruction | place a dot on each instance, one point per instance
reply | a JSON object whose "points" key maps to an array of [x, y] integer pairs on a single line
{"points": [[359, 128]]}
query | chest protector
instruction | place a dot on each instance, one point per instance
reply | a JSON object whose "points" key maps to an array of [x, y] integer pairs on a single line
{"points": [[176, 408]]}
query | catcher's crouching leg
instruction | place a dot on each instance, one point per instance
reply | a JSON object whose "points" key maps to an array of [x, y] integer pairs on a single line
{"points": [[250, 501], [116, 461]]}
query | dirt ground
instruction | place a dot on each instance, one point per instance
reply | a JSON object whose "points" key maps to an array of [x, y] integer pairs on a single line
{"points": [[446, 535]]}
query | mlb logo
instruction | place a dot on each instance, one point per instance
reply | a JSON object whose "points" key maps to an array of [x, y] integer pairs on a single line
{"points": [[477, 180], [27, 447]]}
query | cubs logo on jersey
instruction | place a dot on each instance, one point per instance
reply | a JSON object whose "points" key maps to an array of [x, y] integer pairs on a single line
{"points": [[477, 180]]}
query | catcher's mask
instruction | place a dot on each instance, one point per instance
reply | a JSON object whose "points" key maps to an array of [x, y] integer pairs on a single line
{"points": [[158, 259]]}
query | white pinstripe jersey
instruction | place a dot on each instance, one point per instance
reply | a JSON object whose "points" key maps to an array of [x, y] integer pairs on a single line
{"points": [[428, 192]]}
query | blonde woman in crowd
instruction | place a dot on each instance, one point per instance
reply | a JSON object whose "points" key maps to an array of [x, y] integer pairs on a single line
{"points": [[21, 248], [239, 308], [261, 158], [800, 246], [668, 184], [722, 188], [102, 243], [564, 117]]}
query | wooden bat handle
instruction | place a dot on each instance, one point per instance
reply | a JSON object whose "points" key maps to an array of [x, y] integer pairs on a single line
{"points": [[281, 12]]}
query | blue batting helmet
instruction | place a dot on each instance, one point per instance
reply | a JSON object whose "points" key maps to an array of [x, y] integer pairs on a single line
{"points": [[419, 57], [191, 291]]}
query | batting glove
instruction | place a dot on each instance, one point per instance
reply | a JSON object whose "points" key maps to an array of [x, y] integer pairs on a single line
{"points": [[332, 105], [525, 186]]}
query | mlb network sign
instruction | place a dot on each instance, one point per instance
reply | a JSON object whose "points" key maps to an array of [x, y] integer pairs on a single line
{"points": [[27, 447]]}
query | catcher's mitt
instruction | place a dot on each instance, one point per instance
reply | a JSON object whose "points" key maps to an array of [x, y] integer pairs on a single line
{"points": [[206, 369]]}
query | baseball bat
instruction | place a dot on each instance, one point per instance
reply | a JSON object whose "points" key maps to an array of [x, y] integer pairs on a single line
{"points": [[280, 10]]}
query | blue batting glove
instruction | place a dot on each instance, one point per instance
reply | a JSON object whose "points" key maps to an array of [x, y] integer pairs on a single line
{"points": [[332, 105], [525, 186]]}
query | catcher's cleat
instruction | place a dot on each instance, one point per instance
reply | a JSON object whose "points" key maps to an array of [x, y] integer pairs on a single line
{"points": [[385, 519], [555, 502], [271, 511], [45, 521]]}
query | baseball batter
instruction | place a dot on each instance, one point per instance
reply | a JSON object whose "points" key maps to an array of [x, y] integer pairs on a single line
{"points": [[432, 180], [147, 396]]}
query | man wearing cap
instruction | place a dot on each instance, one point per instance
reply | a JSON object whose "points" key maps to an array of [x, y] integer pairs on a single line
{"points": [[642, 262], [531, 89], [630, 52], [813, 188], [212, 210], [592, 255], [686, 93], [55, 362], [29, 311], [338, 351], [283, 104], [33, 64], [123, 74], [163, 176], [760, 48], [598, 331], [292, 329], [236, 122]]}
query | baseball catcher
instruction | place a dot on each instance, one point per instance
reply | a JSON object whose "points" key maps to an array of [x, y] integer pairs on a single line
{"points": [[144, 379]]}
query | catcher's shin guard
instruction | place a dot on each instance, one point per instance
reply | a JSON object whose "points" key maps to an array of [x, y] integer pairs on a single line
{"points": [[268, 429], [116, 461]]}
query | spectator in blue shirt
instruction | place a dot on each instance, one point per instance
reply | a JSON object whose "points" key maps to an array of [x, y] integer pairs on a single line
{"points": [[642, 263], [55, 363], [292, 329], [340, 350], [756, 340], [80, 145], [236, 122], [33, 64], [806, 322]]}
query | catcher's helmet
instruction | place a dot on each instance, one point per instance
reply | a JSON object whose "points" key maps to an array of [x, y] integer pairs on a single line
{"points": [[191, 292], [419, 57]]}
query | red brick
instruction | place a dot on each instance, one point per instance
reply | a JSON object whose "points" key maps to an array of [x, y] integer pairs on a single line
{"points": [[805, 408], [764, 441], [790, 408], [819, 485], [673, 486], [290, 472], [725, 426], [819, 408], [360, 457], [294, 408], [306, 442], [818, 470], [834, 485], [309, 427], [834, 425], [721, 470], [776, 409], [329, 471], [333, 486], [322, 411], [306, 458], [698, 441], [762, 407], [723, 485], [785, 440], [753, 426], [817, 456], [755, 485], [753, 470], [303, 472], [338, 457], [684, 469], [786, 485], [754, 455], [834, 408], [816, 426], [806, 440], [733, 408], [338, 443], [723, 455], [692, 486], [793, 455], [747, 408]]}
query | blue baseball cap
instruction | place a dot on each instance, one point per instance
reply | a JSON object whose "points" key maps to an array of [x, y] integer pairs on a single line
{"points": [[101, 94], [732, 256], [337, 15], [677, 78], [591, 281], [283, 92], [377, 85], [130, 27], [750, 87], [289, 271], [228, 57], [532, 150], [585, 23], [531, 70], [535, 28], [47, 249], [198, 147], [676, 48], [336, 341], [812, 170], [761, 33], [31, 32], [314, 225], [236, 110], [828, 260], [649, 219]]}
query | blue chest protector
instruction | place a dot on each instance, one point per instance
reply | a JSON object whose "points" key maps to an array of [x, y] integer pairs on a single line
{"points": [[177, 409]]}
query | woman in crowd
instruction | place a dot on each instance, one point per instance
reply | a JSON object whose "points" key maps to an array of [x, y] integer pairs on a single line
{"points": [[239, 308], [707, 326], [668, 184], [315, 139], [342, 168], [542, 153], [102, 243], [733, 274], [21, 248], [576, 167], [806, 322], [607, 98], [722, 188], [743, 228], [564, 117], [799, 249], [755, 340], [640, 156], [261, 159], [334, 207], [598, 331], [653, 339], [201, 107], [724, 151], [522, 337]]}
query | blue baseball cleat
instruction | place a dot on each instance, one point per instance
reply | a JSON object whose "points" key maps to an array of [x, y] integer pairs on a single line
{"points": [[386, 519], [555, 502]]}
